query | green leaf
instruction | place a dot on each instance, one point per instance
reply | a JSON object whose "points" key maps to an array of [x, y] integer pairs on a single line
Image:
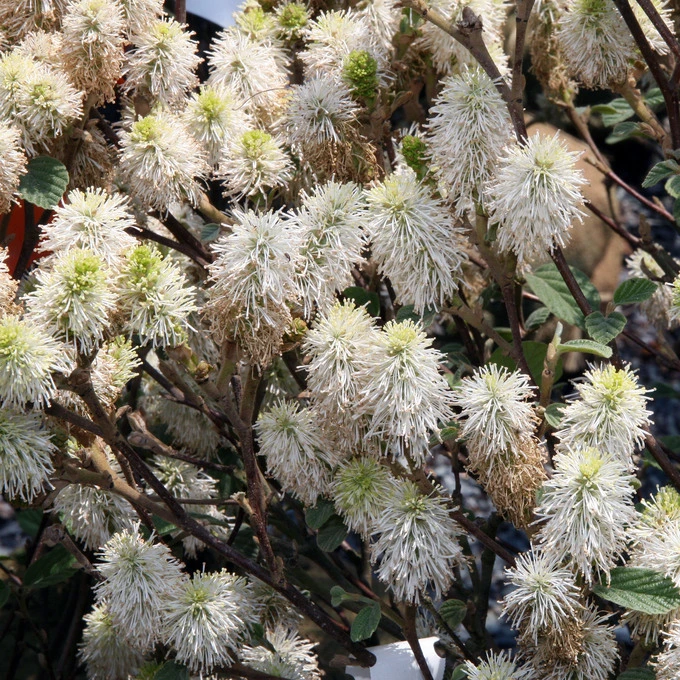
{"points": [[317, 516], [171, 670], [44, 183], [632, 291], [654, 98], [604, 329], [534, 353], [210, 232], [460, 673], [640, 590], [331, 534], [554, 413], [407, 312], [615, 111], [54, 567], [665, 391], [363, 298], [676, 211], [660, 171], [585, 346], [537, 318], [365, 623], [29, 520], [453, 612], [637, 674], [338, 596], [4, 593], [624, 131], [673, 186], [547, 283], [163, 527]]}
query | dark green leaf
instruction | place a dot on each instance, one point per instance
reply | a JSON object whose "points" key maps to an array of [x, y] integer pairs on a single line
{"points": [[44, 183], [640, 590], [673, 186], [623, 131], [547, 283], [171, 670], [209, 232], [604, 329], [363, 298], [554, 414], [338, 596], [460, 673], [665, 391], [450, 431], [660, 171], [407, 312], [4, 593], [632, 291], [615, 111], [637, 674], [331, 534], [453, 612], [317, 516], [537, 318], [534, 353], [676, 211], [163, 527], [654, 98], [585, 346], [29, 520], [365, 623], [54, 567]]}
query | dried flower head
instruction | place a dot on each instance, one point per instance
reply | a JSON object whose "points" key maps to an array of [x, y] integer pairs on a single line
{"points": [[535, 196]]}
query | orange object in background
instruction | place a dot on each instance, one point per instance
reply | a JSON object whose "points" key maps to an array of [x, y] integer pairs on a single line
{"points": [[15, 232]]}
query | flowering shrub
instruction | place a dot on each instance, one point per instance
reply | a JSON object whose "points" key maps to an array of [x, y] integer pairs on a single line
{"points": [[281, 358]]}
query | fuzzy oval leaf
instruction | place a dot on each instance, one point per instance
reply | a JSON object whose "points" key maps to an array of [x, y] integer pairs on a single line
{"points": [[585, 346], [210, 232], [339, 595], [331, 534], [673, 186], [365, 623], [613, 112], [547, 283], [57, 566], [553, 414], [640, 590], [632, 291], [363, 298], [624, 131], [604, 329], [317, 516], [453, 612], [44, 183], [637, 674], [660, 171], [537, 318]]}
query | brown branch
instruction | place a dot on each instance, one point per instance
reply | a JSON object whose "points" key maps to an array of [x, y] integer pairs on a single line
{"points": [[181, 11], [411, 635], [522, 23], [183, 235], [660, 25], [143, 233], [662, 459]]}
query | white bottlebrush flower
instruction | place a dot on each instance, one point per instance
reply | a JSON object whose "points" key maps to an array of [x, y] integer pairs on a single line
{"points": [[657, 512], [93, 42], [139, 578], [256, 71], [202, 621], [330, 221], [140, 14], [25, 452], [545, 600], [252, 20], [38, 99], [28, 358], [594, 657], [215, 117], [667, 664], [448, 55], [18, 17], [361, 490], [657, 308], [94, 220], [8, 286], [291, 19], [162, 63], [296, 451], [184, 480], [161, 162], [383, 18], [586, 506], [535, 196], [288, 656], [320, 111], [654, 38], [416, 545], [105, 652], [74, 298], [467, 130], [93, 515], [595, 43], [496, 410], [254, 276], [13, 164], [155, 297], [660, 551], [404, 392], [254, 163], [414, 241], [496, 666], [608, 414]]}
